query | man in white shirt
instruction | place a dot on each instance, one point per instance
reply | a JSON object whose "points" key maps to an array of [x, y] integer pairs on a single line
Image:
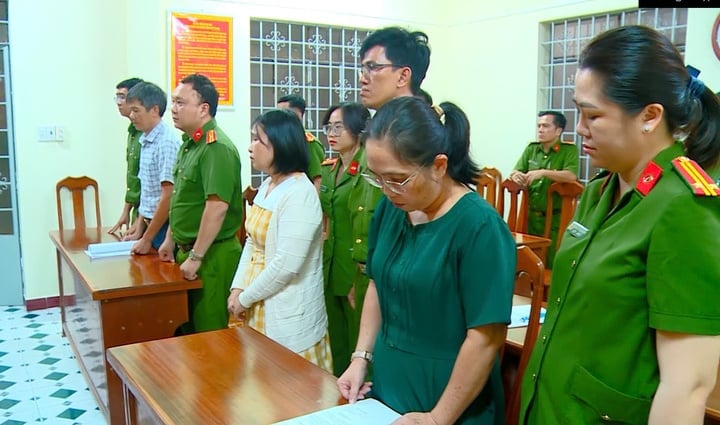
{"points": [[158, 153]]}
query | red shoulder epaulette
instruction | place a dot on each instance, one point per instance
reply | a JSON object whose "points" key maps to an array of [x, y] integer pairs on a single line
{"points": [[210, 137], [696, 178], [309, 137]]}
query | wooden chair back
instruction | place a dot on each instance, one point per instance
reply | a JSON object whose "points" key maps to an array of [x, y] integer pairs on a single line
{"points": [[488, 186], [517, 215], [569, 196], [248, 199], [529, 282], [77, 187]]}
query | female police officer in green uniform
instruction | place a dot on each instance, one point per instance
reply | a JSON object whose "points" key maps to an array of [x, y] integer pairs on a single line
{"points": [[348, 202], [631, 334]]}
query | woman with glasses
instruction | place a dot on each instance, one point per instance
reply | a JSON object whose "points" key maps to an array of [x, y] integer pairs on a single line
{"points": [[348, 202], [442, 265], [632, 332], [278, 285]]}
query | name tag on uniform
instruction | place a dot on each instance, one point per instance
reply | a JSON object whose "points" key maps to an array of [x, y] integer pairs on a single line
{"points": [[577, 230]]}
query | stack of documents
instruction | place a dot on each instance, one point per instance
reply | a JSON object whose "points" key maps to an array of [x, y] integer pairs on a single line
{"points": [[109, 249], [364, 412], [520, 316]]}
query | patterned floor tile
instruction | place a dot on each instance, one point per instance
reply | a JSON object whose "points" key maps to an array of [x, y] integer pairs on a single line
{"points": [[40, 380]]}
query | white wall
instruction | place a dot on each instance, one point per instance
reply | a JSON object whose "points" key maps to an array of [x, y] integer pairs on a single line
{"points": [[66, 58], [66, 61]]}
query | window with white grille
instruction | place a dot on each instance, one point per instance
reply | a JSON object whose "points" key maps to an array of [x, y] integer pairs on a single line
{"points": [[563, 40], [317, 62]]}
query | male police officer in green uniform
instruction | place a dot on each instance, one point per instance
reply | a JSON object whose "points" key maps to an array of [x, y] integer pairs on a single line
{"points": [[545, 161], [317, 150], [206, 205], [132, 156]]}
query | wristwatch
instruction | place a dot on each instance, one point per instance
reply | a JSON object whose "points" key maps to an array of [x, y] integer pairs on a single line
{"points": [[361, 354], [194, 257]]}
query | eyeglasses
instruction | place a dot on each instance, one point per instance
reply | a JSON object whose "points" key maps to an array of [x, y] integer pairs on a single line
{"points": [[120, 98], [395, 187], [371, 67], [329, 129]]}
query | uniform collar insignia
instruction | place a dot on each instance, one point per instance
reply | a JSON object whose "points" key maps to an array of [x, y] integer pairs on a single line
{"points": [[197, 134], [353, 168], [648, 178]]}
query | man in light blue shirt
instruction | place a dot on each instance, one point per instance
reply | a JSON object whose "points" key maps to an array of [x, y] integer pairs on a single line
{"points": [[158, 154]]}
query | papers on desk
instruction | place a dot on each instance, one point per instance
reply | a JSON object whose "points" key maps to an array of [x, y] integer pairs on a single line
{"points": [[364, 412], [109, 249], [520, 316]]}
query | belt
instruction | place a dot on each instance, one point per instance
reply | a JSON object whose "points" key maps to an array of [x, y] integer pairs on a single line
{"points": [[186, 247]]}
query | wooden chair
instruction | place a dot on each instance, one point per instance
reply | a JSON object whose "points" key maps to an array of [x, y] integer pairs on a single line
{"points": [[569, 196], [529, 282], [517, 217], [77, 187], [248, 199], [485, 187], [496, 176]]}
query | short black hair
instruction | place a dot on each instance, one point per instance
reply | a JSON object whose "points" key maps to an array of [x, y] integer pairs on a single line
{"points": [[559, 119], [149, 95], [294, 101], [129, 83], [402, 48], [205, 88], [422, 94], [354, 115], [286, 134]]}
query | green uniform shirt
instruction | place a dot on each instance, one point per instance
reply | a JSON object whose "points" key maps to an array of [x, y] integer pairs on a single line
{"points": [[317, 155], [348, 206], [205, 168], [648, 263], [132, 156], [561, 156]]}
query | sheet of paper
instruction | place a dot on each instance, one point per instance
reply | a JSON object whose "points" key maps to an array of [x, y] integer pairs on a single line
{"points": [[109, 249], [520, 316], [364, 412]]}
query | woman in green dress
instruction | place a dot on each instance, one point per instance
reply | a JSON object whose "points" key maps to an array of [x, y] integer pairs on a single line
{"points": [[631, 332], [442, 265], [348, 202]]}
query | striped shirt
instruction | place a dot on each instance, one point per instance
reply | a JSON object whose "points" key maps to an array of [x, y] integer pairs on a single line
{"points": [[158, 154]]}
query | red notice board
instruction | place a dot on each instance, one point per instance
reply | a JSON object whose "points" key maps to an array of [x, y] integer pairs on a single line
{"points": [[202, 44]]}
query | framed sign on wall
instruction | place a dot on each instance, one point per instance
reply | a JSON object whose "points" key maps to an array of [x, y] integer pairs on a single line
{"points": [[202, 44]]}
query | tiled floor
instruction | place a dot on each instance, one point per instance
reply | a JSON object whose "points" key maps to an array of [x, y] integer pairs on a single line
{"points": [[40, 381]]}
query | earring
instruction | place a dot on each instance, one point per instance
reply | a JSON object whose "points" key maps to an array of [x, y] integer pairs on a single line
{"points": [[646, 128]]}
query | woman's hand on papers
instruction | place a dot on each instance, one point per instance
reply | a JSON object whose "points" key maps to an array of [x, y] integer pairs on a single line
{"points": [[351, 383]]}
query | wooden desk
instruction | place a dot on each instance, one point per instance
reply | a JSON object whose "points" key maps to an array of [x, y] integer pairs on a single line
{"points": [[533, 242], [231, 376], [114, 301], [515, 340]]}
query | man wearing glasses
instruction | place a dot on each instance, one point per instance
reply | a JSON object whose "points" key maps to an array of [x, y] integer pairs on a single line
{"points": [[394, 64], [132, 156], [206, 204], [316, 149]]}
